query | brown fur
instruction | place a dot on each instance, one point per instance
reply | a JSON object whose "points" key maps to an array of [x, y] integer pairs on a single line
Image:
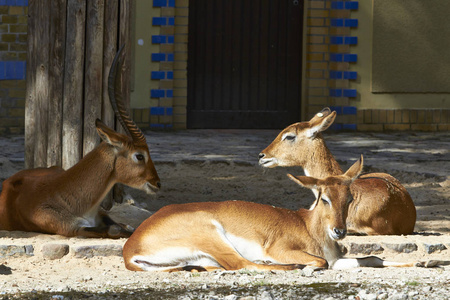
{"points": [[291, 239], [381, 206]]}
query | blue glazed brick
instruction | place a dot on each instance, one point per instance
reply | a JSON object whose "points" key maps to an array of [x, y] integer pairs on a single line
{"points": [[155, 93], [350, 57], [159, 3], [336, 57], [349, 126], [158, 39], [337, 22], [350, 93], [351, 23], [170, 39], [170, 75], [21, 67], [11, 2], [337, 109], [172, 21], [351, 40], [351, 5], [157, 21], [335, 93], [336, 40], [158, 57], [171, 3], [170, 57], [10, 69], [169, 111], [349, 110], [336, 126], [156, 126], [337, 4], [350, 75], [2, 70], [169, 93], [158, 75], [335, 75], [157, 111]]}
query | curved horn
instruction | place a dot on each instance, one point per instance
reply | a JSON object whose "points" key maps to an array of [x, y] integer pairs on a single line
{"points": [[116, 99]]}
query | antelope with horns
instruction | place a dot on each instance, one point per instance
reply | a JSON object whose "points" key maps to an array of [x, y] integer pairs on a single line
{"points": [[67, 202], [232, 235], [381, 206]]}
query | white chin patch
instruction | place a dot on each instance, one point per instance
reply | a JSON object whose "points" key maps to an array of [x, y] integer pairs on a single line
{"points": [[332, 235], [268, 162]]}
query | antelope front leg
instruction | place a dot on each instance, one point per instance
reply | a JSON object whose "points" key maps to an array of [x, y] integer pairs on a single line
{"points": [[299, 257]]}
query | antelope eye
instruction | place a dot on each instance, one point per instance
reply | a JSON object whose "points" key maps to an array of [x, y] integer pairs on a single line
{"points": [[289, 137], [139, 157], [325, 201]]}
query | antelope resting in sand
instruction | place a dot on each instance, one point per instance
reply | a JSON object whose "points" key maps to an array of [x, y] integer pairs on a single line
{"points": [[233, 235], [67, 202], [381, 206]]}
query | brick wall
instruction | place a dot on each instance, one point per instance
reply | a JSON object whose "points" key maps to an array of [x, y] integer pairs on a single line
{"points": [[404, 119], [329, 59], [13, 54]]}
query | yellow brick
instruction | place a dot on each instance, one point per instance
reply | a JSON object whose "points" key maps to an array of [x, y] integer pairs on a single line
{"points": [[181, 38], [182, 11], [183, 56], [397, 116], [316, 4], [338, 13], [166, 84], [179, 83], [339, 31], [179, 101], [397, 127], [180, 74], [181, 30], [317, 65], [166, 48], [316, 22], [443, 127], [179, 110], [181, 3], [181, 21], [340, 83], [180, 92], [180, 65], [367, 116], [405, 116], [315, 74], [318, 13], [167, 11], [369, 127], [322, 101], [317, 48], [317, 83], [316, 39], [166, 66], [383, 116], [167, 30], [16, 10], [318, 30], [339, 48], [317, 92], [166, 102], [181, 47], [389, 116], [375, 116], [179, 118], [424, 127], [315, 57]]}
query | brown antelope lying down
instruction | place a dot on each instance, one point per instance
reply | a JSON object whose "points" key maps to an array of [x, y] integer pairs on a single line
{"points": [[381, 205], [67, 202], [234, 234]]}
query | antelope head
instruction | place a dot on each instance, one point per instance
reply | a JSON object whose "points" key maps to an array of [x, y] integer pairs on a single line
{"points": [[333, 198], [130, 149], [284, 150]]}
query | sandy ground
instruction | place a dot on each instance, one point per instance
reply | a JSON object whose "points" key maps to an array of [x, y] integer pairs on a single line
{"points": [[216, 165]]}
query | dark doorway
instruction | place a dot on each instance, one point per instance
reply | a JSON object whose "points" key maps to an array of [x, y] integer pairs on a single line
{"points": [[244, 64]]}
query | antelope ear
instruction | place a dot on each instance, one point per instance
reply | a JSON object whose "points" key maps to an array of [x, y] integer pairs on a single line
{"points": [[321, 122], [306, 181], [354, 171], [108, 135]]}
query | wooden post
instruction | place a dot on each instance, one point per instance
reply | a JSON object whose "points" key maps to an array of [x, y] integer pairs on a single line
{"points": [[71, 45]]}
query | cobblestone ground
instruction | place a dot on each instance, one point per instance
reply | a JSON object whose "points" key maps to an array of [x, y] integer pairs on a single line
{"points": [[214, 165]]}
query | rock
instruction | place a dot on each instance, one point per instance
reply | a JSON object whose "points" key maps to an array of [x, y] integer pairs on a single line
{"points": [[55, 251], [430, 248], [266, 296], [402, 248], [16, 251], [366, 249], [231, 297], [308, 271], [96, 250]]}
